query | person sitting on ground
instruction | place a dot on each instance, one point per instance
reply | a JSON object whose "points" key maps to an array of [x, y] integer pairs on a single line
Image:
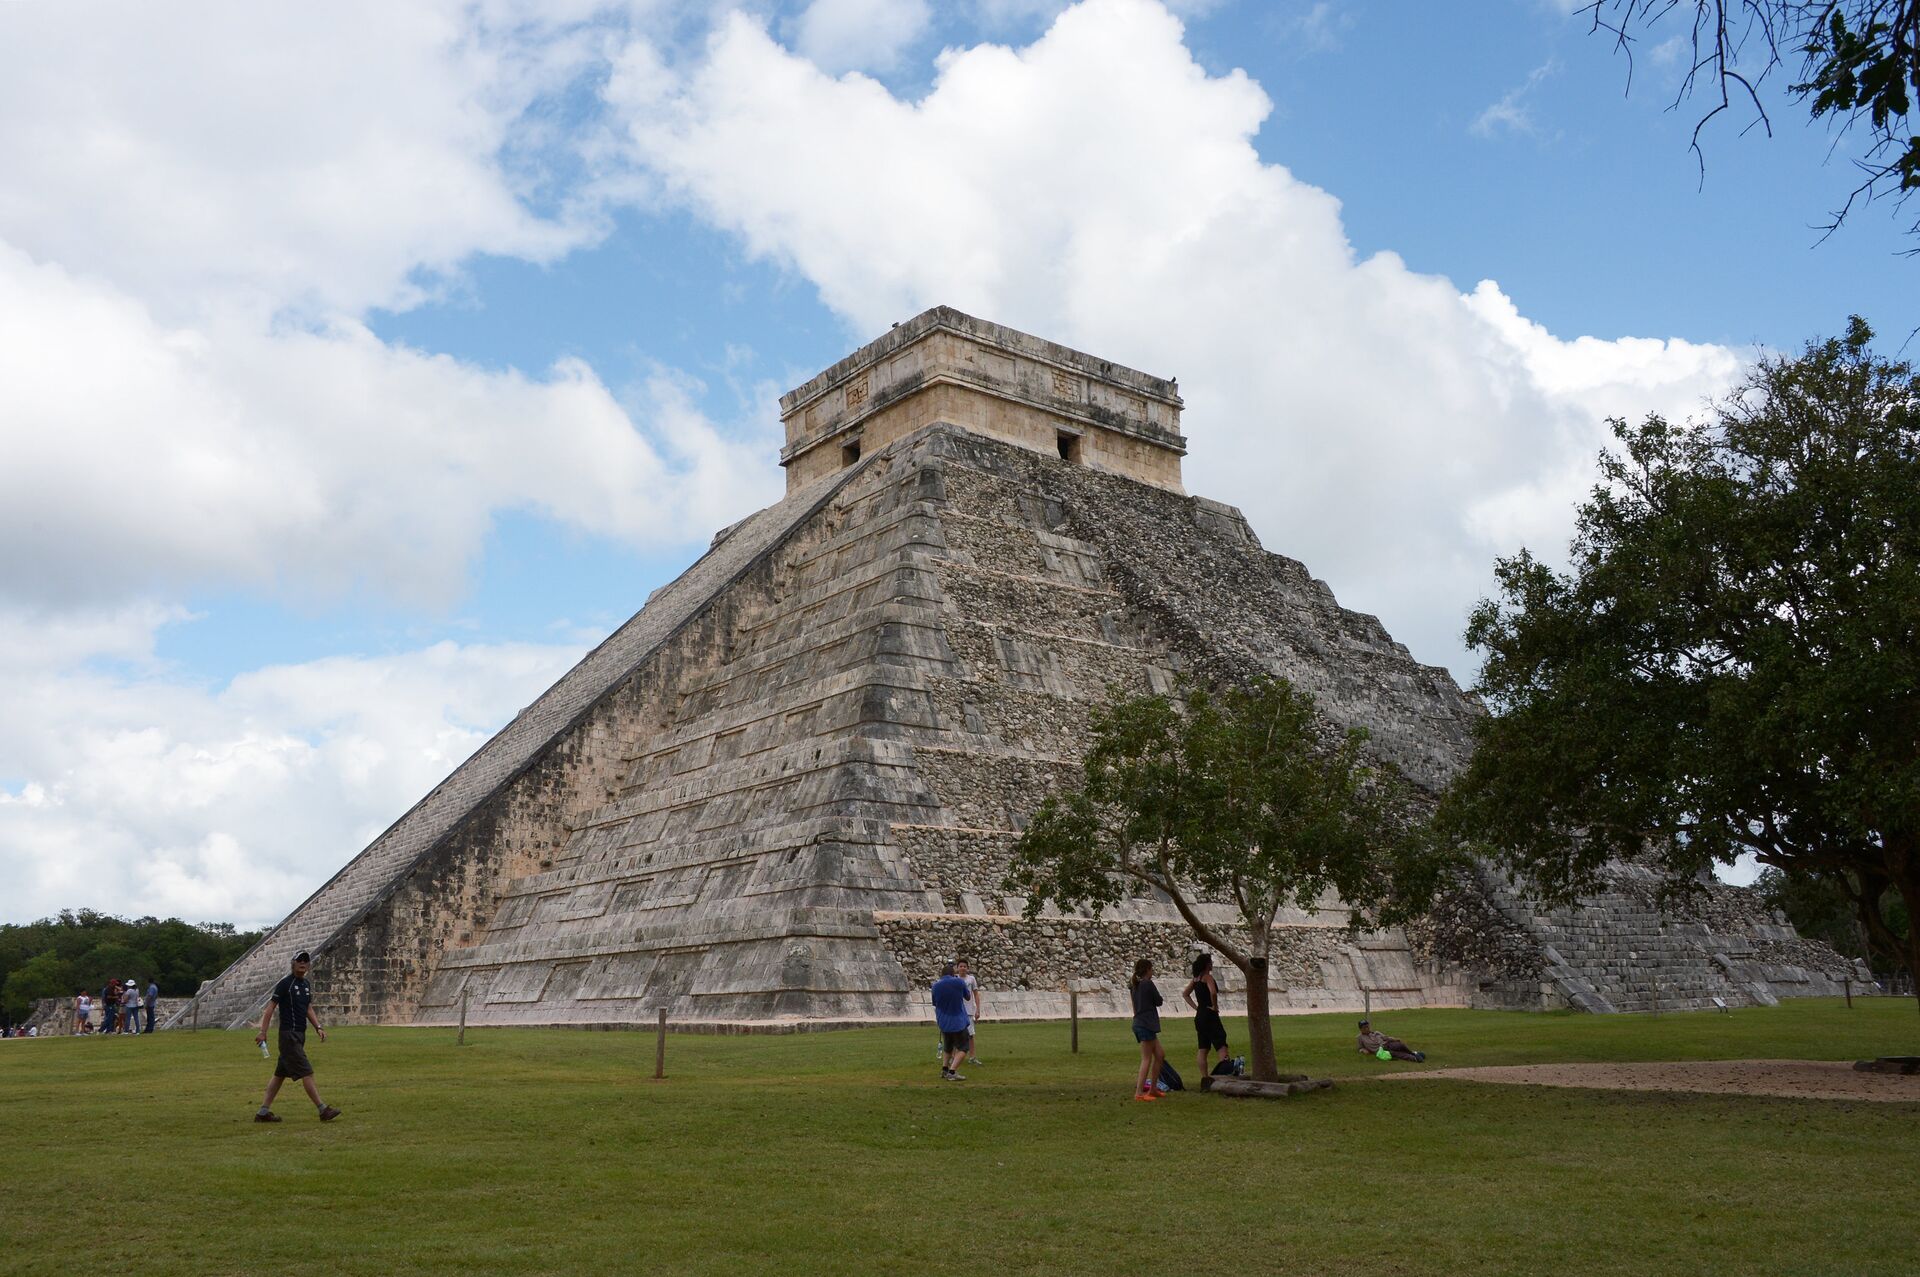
{"points": [[1372, 1043]]}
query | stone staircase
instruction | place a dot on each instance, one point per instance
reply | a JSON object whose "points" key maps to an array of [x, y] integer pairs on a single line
{"points": [[239, 993], [1618, 951]]}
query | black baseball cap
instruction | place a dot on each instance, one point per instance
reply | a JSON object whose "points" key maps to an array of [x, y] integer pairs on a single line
{"points": [[302, 956]]}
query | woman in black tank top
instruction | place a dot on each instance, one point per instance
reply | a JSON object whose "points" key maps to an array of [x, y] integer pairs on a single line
{"points": [[1203, 995]]}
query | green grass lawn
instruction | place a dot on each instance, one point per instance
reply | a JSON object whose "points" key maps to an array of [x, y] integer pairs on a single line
{"points": [[551, 1151]]}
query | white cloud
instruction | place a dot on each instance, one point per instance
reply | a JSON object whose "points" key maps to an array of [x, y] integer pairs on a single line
{"points": [[1513, 113], [201, 207], [267, 156], [143, 456], [150, 794], [1390, 430], [859, 35]]}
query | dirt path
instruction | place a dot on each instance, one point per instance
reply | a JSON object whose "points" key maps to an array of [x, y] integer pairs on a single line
{"points": [[1794, 1079]]}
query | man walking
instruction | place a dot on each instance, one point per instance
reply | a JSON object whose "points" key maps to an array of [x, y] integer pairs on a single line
{"points": [[950, 1013], [293, 999], [974, 1007], [153, 1001]]}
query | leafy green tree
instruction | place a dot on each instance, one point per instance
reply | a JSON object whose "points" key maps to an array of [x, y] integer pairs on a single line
{"points": [[1859, 65], [1822, 909], [1732, 665], [94, 946], [1242, 796], [44, 975]]}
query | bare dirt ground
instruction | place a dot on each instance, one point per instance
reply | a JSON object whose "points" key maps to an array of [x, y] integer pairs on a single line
{"points": [[1794, 1079]]}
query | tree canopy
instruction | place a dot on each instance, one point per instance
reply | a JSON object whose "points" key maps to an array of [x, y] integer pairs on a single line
{"points": [[81, 949], [1859, 66], [1241, 796], [1732, 664]]}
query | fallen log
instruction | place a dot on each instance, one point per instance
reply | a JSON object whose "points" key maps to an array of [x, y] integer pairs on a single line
{"points": [[1907, 1064], [1249, 1089]]}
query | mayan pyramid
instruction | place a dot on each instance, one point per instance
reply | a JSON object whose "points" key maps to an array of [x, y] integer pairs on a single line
{"points": [[786, 790]]}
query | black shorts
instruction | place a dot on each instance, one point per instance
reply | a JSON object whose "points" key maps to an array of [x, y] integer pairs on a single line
{"points": [[293, 1058], [1212, 1033], [954, 1040]]}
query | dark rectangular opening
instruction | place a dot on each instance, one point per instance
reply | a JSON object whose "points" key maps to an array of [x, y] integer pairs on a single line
{"points": [[1069, 445], [849, 453]]}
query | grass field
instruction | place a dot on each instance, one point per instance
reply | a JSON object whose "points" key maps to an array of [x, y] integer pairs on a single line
{"points": [[550, 1151]]}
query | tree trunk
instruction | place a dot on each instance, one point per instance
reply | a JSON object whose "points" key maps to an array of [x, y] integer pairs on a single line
{"points": [[1902, 859], [1260, 1058], [1911, 895]]}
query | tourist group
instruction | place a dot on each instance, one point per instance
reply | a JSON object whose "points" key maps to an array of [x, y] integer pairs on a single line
{"points": [[121, 1002]]}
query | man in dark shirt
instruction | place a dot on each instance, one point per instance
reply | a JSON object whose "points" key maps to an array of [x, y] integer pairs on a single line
{"points": [[293, 999], [109, 1005]]}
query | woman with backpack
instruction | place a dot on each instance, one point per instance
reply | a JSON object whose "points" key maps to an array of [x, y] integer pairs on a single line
{"points": [[1206, 1010], [1146, 1028]]}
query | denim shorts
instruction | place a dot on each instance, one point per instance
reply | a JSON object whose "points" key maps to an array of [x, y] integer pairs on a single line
{"points": [[1141, 1034]]}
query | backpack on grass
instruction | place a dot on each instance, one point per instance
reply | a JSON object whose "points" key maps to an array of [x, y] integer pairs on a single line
{"points": [[1170, 1078]]}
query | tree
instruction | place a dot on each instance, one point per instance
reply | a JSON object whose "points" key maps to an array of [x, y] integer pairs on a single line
{"points": [[1732, 665], [1822, 909], [1243, 796], [41, 976], [92, 946], [1860, 65]]}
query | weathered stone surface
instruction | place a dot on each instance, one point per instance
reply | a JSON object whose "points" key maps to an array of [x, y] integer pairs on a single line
{"points": [[789, 787], [943, 366]]}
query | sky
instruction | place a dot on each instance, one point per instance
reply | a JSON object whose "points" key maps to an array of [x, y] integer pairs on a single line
{"points": [[362, 365]]}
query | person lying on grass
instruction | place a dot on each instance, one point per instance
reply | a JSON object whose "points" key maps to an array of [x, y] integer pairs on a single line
{"points": [[1372, 1043]]}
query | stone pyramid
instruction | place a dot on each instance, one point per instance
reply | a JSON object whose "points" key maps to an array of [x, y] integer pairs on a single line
{"points": [[787, 789]]}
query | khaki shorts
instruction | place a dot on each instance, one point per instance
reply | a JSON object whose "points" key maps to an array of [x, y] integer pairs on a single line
{"points": [[293, 1058]]}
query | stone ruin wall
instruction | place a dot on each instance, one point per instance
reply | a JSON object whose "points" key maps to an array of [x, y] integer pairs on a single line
{"points": [[1042, 629], [987, 598]]}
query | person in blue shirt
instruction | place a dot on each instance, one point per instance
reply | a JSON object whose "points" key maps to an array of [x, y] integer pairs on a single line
{"points": [[950, 1013]]}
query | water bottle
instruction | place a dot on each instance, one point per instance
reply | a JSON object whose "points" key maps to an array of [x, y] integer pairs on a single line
{"points": [[263, 1050]]}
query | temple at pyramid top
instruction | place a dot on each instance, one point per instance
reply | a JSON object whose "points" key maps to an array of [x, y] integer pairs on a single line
{"points": [[945, 366]]}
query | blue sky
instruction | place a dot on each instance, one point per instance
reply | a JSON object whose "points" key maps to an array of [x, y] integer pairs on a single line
{"points": [[360, 368]]}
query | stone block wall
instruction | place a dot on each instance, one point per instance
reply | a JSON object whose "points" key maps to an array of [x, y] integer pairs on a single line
{"points": [[791, 785]]}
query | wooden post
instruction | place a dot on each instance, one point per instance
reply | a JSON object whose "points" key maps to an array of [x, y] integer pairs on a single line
{"points": [[660, 1048], [1073, 1015], [1849, 987], [1368, 995], [196, 1015], [463, 1015]]}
